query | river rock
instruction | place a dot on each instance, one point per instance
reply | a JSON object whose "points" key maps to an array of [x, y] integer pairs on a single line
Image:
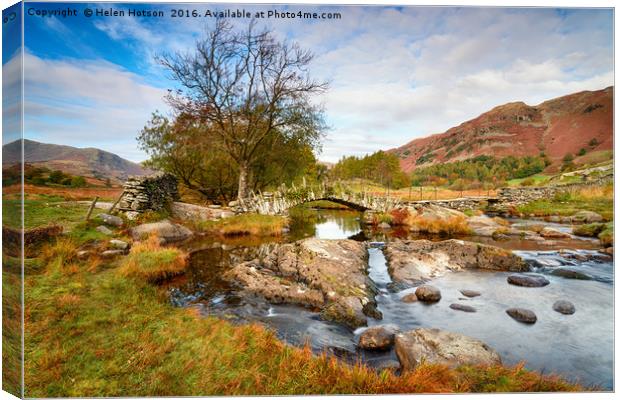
{"points": [[119, 244], [384, 225], [586, 217], [416, 261], [111, 220], [608, 250], [522, 315], [528, 280], [564, 307], [551, 233], [104, 229], [112, 253], [377, 338], [83, 254], [570, 273], [469, 293], [462, 307], [193, 212], [441, 347], [167, 231], [327, 275], [409, 298], [483, 225], [428, 294]]}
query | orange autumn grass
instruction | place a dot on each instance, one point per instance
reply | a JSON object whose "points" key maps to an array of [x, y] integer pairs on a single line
{"points": [[98, 333], [451, 226], [149, 261]]}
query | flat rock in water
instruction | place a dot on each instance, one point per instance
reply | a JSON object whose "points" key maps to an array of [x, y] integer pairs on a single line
{"points": [[570, 273], [469, 293], [329, 275], [528, 280], [428, 293], [416, 261], [409, 298], [522, 315], [441, 347], [377, 338], [462, 307], [564, 307], [547, 232]]}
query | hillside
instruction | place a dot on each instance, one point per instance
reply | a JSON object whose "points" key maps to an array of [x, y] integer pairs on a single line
{"points": [[559, 126], [88, 162]]}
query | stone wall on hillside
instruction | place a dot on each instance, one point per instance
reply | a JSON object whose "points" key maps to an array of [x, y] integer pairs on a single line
{"points": [[149, 192], [523, 195]]}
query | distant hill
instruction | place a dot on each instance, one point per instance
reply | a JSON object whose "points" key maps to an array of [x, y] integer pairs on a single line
{"points": [[563, 125], [88, 162]]}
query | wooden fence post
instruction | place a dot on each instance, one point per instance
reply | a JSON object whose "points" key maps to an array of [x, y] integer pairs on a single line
{"points": [[92, 206]]}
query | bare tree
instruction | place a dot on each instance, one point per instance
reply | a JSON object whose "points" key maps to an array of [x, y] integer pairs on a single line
{"points": [[246, 86]]}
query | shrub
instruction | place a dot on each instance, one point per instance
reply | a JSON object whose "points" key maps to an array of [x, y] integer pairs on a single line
{"points": [[61, 252], [399, 216], [151, 262], [448, 227], [582, 152], [607, 235], [528, 182]]}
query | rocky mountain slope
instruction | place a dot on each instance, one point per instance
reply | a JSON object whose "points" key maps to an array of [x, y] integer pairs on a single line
{"points": [[557, 127], [88, 162]]}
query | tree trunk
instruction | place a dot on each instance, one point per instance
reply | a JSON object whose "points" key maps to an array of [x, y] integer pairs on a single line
{"points": [[244, 170]]}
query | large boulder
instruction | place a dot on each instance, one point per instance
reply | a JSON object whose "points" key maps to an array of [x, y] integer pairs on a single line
{"points": [[586, 217], [377, 338], [415, 261], [167, 231], [438, 346], [428, 294], [327, 275]]}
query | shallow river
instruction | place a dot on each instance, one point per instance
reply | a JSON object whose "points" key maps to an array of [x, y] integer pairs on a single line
{"points": [[578, 346]]}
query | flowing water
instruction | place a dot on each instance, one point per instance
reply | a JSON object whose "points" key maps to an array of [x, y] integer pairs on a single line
{"points": [[578, 346]]}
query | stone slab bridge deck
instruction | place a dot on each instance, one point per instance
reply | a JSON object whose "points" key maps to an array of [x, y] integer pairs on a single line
{"points": [[279, 202]]}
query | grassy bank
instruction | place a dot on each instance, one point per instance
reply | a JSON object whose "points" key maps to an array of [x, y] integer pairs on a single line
{"points": [[596, 199], [93, 330], [44, 212]]}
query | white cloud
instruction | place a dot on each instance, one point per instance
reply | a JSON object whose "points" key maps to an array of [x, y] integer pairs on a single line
{"points": [[396, 73], [87, 104]]}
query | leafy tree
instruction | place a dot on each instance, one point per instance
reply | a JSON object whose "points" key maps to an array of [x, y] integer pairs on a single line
{"points": [[57, 176], [179, 147], [78, 182], [241, 89]]}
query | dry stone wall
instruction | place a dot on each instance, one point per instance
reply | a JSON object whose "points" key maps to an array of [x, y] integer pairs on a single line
{"points": [[149, 192], [524, 195]]}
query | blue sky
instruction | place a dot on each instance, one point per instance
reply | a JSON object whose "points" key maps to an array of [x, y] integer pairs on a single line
{"points": [[396, 73]]}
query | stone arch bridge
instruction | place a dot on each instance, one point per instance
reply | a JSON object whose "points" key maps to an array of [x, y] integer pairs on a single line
{"points": [[278, 202]]}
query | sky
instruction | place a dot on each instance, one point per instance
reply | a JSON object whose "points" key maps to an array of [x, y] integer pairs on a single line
{"points": [[395, 73]]}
